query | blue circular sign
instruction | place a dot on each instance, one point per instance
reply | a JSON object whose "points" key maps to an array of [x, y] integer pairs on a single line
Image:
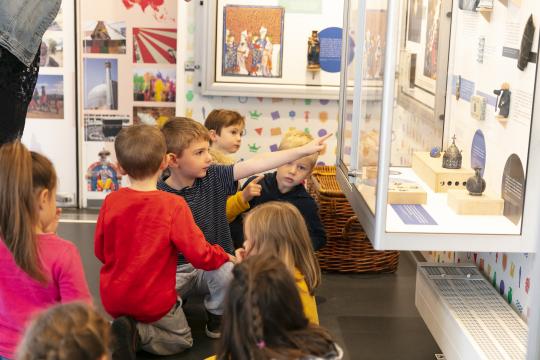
{"points": [[478, 151], [330, 42]]}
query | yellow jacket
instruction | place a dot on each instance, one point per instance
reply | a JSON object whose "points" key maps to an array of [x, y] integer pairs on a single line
{"points": [[308, 301]]}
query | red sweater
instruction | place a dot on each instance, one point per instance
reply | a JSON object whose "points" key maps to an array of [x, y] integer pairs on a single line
{"points": [[138, 236]]}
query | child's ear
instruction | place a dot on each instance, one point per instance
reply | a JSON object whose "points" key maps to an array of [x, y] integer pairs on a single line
{"points": [[213, 136], [172, 160], [164, 162], [43, 198], [121, 169]]}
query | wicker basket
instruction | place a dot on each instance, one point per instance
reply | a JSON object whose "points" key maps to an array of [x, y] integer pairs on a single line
{"points": [[347, 249], [334, 207]]}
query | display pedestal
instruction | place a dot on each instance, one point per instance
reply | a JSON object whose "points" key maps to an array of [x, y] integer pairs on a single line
{"points": [[464, 204], [439, 179], [406, 194]]}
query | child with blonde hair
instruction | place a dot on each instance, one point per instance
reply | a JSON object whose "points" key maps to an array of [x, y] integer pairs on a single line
{"points": [[287, 184], [264, 318], [65, 332], [278, 228], [37, 268]]}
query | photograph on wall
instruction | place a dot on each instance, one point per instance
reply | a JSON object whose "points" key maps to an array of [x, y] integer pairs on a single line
{"points": [[52, 49], [104, 37], [100, 84], [153, 84], [152, 115], [252, 41], [432, 39], [414, 22], [103, 127], [103, 175], [48, 98], [375, 43], [154, 46]]}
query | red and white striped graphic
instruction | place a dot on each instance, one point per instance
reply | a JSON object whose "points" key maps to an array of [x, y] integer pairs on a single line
{"points": [[154, 46]]}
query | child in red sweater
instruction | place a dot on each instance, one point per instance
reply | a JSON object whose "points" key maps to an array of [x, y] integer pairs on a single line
{"points": [[139, 233]]}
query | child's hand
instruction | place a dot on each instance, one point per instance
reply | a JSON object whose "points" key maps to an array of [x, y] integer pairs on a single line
{"points": [[252, 189], [53, 226], [316, 145], [233, 259], [240, 254]]}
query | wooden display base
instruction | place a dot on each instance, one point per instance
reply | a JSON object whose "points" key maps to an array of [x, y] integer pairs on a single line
{"points": [[439, 179], [464, 204], [406, 193]]}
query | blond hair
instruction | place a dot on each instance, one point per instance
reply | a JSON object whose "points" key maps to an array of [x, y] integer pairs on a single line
{"points": [[180, 132], [295, 138], [140, 150], [278, 228], [23, 175], [66, 331]]}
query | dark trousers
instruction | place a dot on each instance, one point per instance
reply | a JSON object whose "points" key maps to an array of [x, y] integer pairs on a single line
{"points": [[17, 84]]}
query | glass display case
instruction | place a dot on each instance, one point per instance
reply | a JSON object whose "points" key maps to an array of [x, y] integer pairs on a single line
{"points": [[437, 140]]}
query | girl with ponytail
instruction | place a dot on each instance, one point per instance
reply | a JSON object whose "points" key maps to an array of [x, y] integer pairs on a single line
{"points": [[37, 268], [264, 320]]}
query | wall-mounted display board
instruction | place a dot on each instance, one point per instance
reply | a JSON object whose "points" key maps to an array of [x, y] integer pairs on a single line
{"points": [[471, 193], [127, 74], [51, 120], [273, 48]]}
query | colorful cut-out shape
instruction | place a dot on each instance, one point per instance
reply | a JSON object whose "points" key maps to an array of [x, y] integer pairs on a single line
{"points": [[322, 132], [255, 115], [292, 114], [512, 269], [275, 115], [501, 287], [306, 115], [189, 96], [273, 147], [323, 116], [504, 261], [275, 131], [189, 112], [307, 101], [253, 148], [259, 131], [261, 99], [324, 101], [527, 285], [510, 295]]}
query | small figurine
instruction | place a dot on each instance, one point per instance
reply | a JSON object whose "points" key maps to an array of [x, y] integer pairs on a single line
{"points": [[435, 152], [526, 44], [458, 87], [476, 184], [503, 100], [314, 50], [452, 156]]}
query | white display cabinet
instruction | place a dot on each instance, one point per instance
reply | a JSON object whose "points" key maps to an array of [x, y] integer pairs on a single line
{"points": [[448, 75]]}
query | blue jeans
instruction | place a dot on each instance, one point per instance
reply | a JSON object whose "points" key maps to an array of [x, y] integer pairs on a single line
{"points": [[212, 284]]}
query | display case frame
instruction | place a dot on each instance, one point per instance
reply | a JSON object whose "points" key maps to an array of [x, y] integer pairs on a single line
{"points": [[374, 221], [207, 62]]}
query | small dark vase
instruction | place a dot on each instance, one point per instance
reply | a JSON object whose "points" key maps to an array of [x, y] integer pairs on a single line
{"points": [[476, 184]]}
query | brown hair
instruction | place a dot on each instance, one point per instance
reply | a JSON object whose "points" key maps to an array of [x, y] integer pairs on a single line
{"points": [[278, 228], [180, 132], [23, 175], [67, 331], [295, 138], [140, 150], [263, 316], [220, 118]]}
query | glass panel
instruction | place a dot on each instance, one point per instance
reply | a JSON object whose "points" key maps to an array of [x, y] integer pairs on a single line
{"points": [[460, 175], [368, 110]]}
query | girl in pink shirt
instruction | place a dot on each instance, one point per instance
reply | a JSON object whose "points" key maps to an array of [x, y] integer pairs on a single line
{"points": [[37, 268]]}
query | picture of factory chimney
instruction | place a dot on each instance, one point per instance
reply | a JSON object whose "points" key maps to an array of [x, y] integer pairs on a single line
{"points": [[101, 84]]}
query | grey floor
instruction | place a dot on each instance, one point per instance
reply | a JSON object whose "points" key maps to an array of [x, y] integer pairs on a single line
{"points": [[371, 316]]}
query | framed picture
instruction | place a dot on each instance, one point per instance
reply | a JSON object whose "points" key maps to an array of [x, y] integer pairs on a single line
{"points": [[423, 23], [248, 47]]}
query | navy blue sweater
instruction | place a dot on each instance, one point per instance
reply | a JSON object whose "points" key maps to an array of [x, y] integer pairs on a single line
{"points": [[298, 196]]}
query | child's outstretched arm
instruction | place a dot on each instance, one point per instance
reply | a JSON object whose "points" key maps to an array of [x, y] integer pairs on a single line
{"points": [[271, 160]]}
